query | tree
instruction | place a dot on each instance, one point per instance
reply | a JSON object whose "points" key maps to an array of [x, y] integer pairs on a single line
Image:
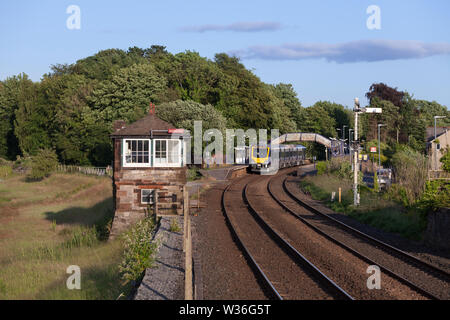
{"points": [[287, 94], [338, 112], [128, 93], [104, 64], [9, 102], [430, 109], [31, 118], [182, 114], [43, 164]]}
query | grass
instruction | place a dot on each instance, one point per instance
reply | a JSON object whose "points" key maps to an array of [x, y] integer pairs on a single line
{"points": [[174, 227], [193, 174], [374, 209], [49, 225]]}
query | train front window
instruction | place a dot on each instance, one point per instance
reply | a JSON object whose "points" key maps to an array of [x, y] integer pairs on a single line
{"points": [[260, 152]]}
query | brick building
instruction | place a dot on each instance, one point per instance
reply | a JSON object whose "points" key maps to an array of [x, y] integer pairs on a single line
{"points": [[149, 170], [436, 148]]}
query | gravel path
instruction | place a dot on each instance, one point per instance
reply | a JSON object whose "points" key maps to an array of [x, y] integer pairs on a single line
{"points": [[166, 280]]}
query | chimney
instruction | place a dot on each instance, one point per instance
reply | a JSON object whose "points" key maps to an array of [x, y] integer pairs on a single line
{"points": [[152, 109], [118, 124]]}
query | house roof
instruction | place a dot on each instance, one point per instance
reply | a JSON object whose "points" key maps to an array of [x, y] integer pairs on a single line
{"points": [[143, 127], [439, 131]]}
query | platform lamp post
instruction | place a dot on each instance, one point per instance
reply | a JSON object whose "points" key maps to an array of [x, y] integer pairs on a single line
{"points": [[379, 144], [435, 155], [343, 134], [349, 143]]}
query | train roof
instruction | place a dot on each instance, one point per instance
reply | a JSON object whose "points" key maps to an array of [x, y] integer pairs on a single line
{"points": [[299, 146]]}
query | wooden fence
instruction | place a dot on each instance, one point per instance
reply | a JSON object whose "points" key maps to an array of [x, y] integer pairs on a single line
{"points": [[95, 171], [438, 175]]}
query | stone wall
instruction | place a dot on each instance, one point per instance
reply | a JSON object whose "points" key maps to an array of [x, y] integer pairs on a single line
{"points": [[438, 229]]}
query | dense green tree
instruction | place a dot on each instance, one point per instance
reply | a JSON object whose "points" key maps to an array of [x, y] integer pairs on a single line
{"points": [[9, 102], [128, 93], [317, 120], [389, 117], [182, 114], [339, 113], [430, 109], [287, 94], [104, 64]]}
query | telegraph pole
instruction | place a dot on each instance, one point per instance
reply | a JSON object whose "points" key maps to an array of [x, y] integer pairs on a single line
{"points": [[355, 156], [357, 110]]}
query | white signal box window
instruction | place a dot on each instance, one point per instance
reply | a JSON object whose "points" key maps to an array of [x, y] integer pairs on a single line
{"points": [[167, 153], [136, 153]]}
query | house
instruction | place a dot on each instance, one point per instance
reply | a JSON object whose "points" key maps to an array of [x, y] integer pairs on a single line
{"points": [[149, 170], [436, 148]]}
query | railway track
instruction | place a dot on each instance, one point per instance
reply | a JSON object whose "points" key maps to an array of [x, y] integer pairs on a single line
{"points": [[281, 269], [434, 282]]}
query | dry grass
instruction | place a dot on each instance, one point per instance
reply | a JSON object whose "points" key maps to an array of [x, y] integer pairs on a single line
{"points": [[47, 226], [374, 209]]}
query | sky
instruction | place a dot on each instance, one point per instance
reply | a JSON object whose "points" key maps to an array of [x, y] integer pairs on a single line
{"points": [[324, 48]]}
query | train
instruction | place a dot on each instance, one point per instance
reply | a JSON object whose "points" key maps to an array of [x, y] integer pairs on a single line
{"points": [[260, 157]]}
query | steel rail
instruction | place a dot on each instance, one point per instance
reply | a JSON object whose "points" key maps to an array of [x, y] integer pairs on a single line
{"points": [[253, 264], [412, 258], [349, 249], [292, 252]]}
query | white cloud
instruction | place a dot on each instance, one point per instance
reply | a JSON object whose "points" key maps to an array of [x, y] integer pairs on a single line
{"points": [[355, 51], [235, 27]]}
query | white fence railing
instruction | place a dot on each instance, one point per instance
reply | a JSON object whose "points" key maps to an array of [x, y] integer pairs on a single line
{"points": [[95, 171]]}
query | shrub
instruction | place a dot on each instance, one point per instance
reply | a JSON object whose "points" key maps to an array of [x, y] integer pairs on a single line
{"points": [[43, 164], [446, 160], [5, 171], [139, 250], [436, 195], [345, 170], [193, 174], [376, 186], [411, 168], [398, 194], [321, 167]]}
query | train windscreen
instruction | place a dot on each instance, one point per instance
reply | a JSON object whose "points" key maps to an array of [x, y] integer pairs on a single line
{"points": [[260, 152]]}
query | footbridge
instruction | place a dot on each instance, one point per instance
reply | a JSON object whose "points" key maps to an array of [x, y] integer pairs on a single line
{"points": [[335, 147]]}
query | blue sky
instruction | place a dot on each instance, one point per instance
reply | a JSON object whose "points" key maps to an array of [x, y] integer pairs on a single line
{"points": [[322, 47]]}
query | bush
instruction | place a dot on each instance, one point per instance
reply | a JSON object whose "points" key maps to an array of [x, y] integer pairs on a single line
{"points": [[398, 194], [193, 174], [321, 167], [140, 251], [5, 171], [436, 195], [345, 170], [43, 164], [446, 160], [411, 168]]}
